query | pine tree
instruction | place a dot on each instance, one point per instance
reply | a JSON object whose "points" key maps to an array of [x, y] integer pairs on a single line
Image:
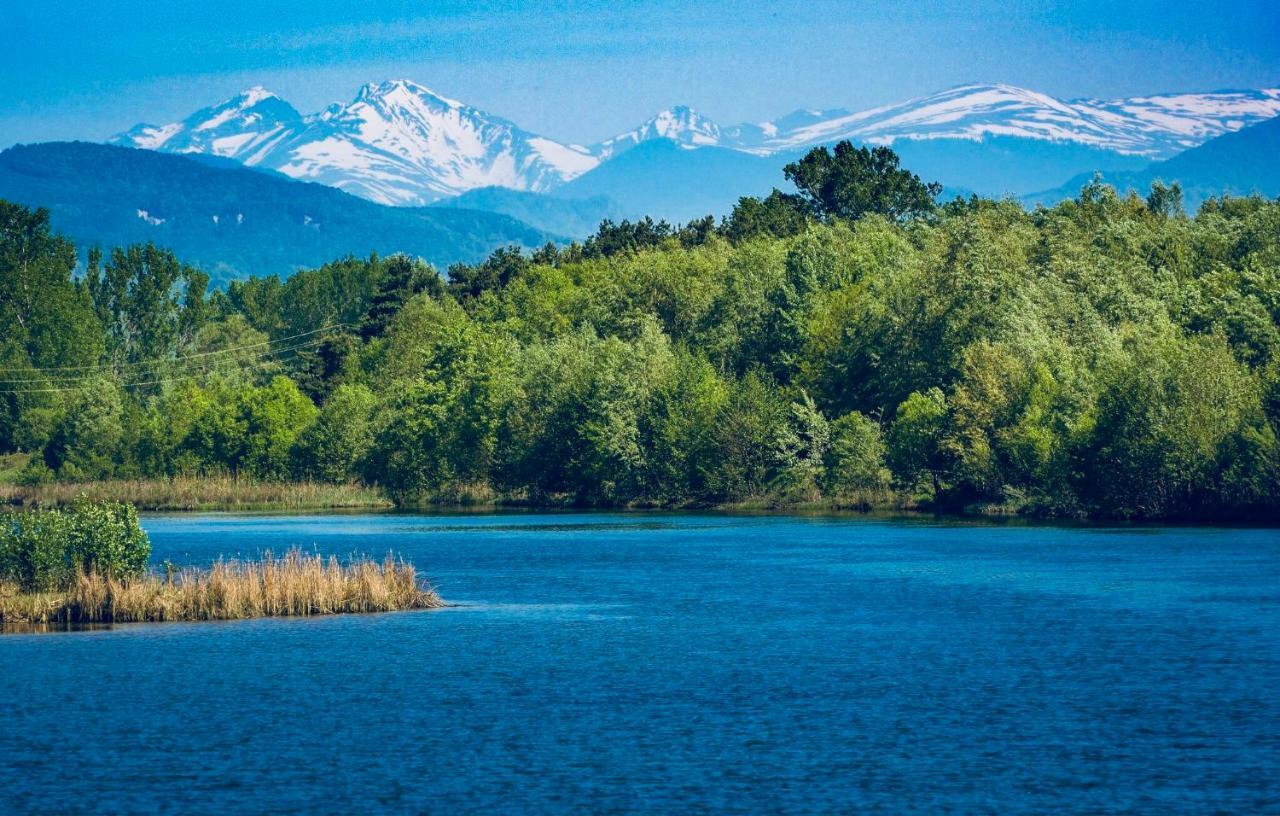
{"points": [[404, 278]]}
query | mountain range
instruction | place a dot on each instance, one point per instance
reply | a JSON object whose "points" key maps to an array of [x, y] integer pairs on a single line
{"points": [[395, 143], [1238, 163], [250, 185], [401, 143]]}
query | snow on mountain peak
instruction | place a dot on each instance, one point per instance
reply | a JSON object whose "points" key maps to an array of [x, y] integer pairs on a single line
{"points": [[238, 127], [680, 124], [1151, 126], [256, 94], [404, 91], [396, 142], [399, 142]]}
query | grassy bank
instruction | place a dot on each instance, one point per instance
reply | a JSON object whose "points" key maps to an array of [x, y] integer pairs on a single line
{"points": [[191, 493], [481, 497], [296, 584]]}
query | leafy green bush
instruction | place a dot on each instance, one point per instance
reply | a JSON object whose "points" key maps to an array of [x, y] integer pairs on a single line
{"points": [[855, 460], [44, 550], [34, 549]]}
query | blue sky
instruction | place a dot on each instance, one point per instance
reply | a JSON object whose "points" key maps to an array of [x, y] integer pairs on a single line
{"points": [[586, 70]]}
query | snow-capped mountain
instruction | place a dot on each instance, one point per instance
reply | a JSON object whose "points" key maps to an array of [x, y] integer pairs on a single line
{"points": [[681, 124], [395, 143], [244, 127], [754, 137], [1154, 126], [1177, 122], [400, 143]]}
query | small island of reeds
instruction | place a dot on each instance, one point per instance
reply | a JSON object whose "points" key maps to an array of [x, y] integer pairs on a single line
{"points": [[88, 564]]}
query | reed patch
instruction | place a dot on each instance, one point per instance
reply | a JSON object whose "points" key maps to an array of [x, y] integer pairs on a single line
{"points": [[293, 585]]}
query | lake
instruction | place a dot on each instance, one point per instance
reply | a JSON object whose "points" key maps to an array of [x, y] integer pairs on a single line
{"points": [[610, 663]]}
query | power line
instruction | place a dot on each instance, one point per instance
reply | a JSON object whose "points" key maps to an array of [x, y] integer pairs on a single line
{"points": [[206, 367], [207, 364], [160, 360], [177, 378]]}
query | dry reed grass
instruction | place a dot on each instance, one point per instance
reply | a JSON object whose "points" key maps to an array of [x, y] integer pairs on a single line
{"points": [[296, 584], [199, 493]]}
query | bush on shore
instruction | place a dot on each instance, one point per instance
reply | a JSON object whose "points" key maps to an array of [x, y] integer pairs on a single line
{"points": [[47, 550]]}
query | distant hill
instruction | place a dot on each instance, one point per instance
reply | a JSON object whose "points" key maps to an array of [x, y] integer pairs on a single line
{"points": [[664, 179], [572, 217], [667, 179], [999, 165], [1239, 163], [230, 220]]}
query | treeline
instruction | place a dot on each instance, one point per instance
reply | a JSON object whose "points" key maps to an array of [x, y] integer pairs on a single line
{"points": [[848, 342]]}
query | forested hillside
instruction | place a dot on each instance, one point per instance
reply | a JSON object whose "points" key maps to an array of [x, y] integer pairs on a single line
{"points": [[852, 343], [230, 220]]}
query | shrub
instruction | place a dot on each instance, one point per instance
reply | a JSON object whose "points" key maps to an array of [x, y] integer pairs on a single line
{"points": [[46, 550], [34, 549], [856, 459]]}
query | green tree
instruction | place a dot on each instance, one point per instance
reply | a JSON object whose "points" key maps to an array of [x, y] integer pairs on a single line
{"points": [[505, 264], [777, 215], [1166, 199], [404, 277], [44, 551], [411, 453], [626, 236], [1180, 430], [800, 450], [246, 430], [851, 182], [914, 440], [272, 416], [86, 440], [747, 426], [151, 304], [856, 459], [334, 447], [49, 333]]}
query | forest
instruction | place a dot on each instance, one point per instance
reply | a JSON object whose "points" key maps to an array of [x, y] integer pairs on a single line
{"points": [[853, 343]]}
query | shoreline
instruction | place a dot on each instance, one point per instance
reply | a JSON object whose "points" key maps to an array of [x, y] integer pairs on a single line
{"points": [[191, 494], [230, 495], [921, 515]]}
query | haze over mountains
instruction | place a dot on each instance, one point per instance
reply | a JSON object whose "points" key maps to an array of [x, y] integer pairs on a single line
{"points": [[401, 143]]}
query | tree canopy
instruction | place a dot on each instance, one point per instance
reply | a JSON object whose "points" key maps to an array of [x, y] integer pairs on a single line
{"points": [[850, 342]]}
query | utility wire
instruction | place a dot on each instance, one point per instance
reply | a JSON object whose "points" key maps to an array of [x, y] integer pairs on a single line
{"points": [[160, 360], [206, 364], [177, 378]]}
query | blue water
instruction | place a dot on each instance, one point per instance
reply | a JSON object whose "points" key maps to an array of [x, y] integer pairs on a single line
{"points": [[680, 664]]}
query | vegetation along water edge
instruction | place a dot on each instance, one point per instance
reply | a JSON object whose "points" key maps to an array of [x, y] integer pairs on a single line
{"points": [[89, 564], [848, 341]]}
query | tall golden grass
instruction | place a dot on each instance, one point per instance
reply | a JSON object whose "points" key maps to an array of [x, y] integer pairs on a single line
{"points": [[297, 584], [200, 493]]}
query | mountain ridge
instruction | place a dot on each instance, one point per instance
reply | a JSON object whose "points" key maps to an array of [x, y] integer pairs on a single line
{"points": [[398, 142], [1241, 162]]}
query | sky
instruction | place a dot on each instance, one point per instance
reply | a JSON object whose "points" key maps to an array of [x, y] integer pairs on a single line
{"points": [[584, 70]]}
